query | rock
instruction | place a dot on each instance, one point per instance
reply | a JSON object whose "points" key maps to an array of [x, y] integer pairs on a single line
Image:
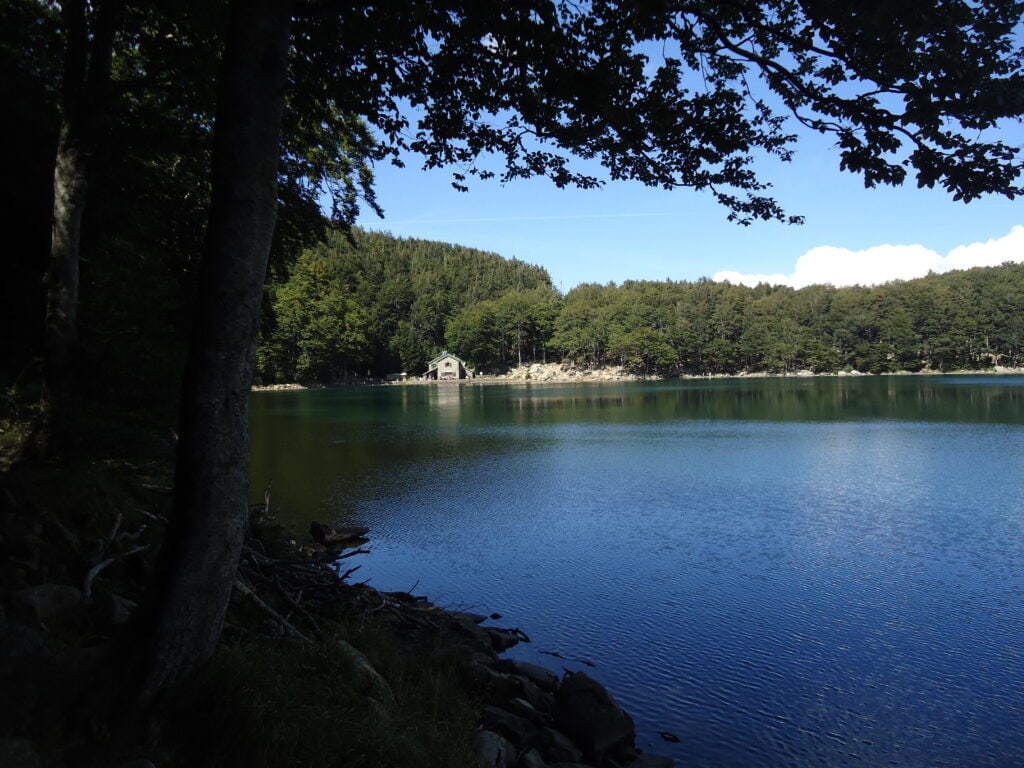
{"points": [[368, 679], [587, 713], [480, 635], [503, 639], [498, 683], [18, 753], [542, 701], [643, 760], [466, 616], [512, 727], [493, 750], [531, 759], [555, 747], [540, 676], [526, 710], [46, 602]]}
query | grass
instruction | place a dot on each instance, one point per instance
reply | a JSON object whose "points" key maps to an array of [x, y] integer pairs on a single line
{"points": [[269, 703]]}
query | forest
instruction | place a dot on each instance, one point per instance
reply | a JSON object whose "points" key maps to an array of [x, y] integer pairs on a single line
{"points": [[373, 304]]}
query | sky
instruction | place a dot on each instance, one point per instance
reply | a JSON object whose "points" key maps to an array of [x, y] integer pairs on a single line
{"points": [[625, 231]]}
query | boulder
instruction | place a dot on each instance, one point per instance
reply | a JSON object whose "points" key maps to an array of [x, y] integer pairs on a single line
{"points": [[493, 750], [587, 713], [503, 639], [512, 727], [555, 747], [542, 701], [472, 618], [496, 684], [368, 680], [526, 710], [540, 676]]}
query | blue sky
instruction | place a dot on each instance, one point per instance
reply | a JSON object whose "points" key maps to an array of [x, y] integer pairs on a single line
{"points": [[627, 231]]}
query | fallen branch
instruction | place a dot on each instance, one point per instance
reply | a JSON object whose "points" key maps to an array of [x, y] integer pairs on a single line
{"points": [[349, 572], [258, 601], [95, 571], [294, 603]]}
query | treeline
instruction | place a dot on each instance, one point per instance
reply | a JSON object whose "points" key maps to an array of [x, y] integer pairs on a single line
{"points": [[379, 304], [371, 302], [960, 320]]}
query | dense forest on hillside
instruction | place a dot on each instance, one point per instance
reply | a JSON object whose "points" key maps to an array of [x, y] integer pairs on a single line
{"points": [[971, 319], [381, 304], [369, 301]]}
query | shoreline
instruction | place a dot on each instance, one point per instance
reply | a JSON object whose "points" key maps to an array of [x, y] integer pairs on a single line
{"points": [[560, 373]]}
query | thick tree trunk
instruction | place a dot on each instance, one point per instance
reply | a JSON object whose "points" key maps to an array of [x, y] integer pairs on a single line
{"points": [[69, 186], [199, 559], [84, 100]]}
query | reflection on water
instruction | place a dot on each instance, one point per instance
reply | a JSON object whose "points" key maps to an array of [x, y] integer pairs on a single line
{"points": [[782, 572]]}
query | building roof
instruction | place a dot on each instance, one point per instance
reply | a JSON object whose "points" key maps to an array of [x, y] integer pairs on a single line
{"points": [[433, 363]]}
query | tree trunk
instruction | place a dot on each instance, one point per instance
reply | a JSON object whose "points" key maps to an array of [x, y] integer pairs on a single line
{"points": [[69, 186], [185, 611], [84, 101]]}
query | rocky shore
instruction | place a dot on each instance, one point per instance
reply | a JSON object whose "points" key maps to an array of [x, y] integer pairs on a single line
{"points": [[293, 599], [565, 373], [562, 372], [529, 716]]}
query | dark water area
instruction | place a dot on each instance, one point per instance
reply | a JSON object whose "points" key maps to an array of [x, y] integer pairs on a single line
{"points": [[782, 572]]}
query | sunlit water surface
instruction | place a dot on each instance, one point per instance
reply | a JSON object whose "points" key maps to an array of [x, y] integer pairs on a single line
{"points": [[782, 572]]}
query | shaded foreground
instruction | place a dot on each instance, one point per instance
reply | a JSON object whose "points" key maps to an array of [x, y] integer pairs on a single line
{"points": [[312, 670]]}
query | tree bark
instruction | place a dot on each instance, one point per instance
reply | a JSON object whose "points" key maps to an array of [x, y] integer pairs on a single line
{"points": [[185, 611], [84, 100]]}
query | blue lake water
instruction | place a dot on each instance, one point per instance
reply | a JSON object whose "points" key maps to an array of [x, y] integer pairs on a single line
{"points": [[781, 572]]}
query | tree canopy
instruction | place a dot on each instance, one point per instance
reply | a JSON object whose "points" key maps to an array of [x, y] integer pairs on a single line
{"points": [[681, 94]]}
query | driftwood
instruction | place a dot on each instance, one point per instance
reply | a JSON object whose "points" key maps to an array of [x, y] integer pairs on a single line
{"points": [[328, 535]]}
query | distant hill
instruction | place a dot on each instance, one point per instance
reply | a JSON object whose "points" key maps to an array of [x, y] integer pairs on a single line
{"points": [[377, 303]]}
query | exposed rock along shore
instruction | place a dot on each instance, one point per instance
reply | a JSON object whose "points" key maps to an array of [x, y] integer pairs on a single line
{"points": [[561, 372], [529, 716], [555, 372]]}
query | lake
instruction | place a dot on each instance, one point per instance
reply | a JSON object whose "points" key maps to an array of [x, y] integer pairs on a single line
{"points": [[780, 572]]}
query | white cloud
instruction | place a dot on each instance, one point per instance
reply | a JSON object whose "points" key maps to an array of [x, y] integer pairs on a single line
{"points": [[882, 263]]}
